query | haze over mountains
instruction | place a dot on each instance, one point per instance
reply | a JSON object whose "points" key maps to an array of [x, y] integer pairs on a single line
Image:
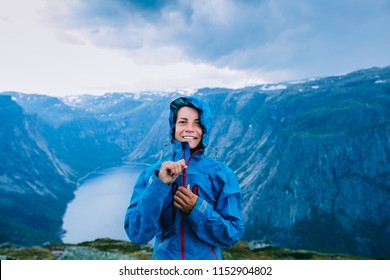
{"points": [[312, 157]]}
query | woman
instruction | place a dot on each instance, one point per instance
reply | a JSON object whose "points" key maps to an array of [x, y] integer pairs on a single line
{"points": [[191, 203]]}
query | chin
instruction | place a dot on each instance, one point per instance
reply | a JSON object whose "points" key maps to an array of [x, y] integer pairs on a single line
{"points": [[192, 145]]}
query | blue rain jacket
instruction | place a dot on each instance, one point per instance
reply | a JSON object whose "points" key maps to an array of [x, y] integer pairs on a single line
{"points": [[215, 221]]}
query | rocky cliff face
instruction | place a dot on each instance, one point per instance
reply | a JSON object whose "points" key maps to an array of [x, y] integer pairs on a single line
{"points": [[48, 144], [312, 157], [314, 165], [35, 185]]}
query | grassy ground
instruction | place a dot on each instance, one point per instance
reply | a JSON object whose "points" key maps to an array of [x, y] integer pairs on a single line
{"points": [[117, 249]]}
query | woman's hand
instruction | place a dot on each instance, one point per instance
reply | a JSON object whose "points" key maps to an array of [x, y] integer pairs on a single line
{"points": [[170, 170], [185, 199]]}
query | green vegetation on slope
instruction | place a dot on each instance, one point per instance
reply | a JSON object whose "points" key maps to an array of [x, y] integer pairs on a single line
{"points": [[106, 248]]}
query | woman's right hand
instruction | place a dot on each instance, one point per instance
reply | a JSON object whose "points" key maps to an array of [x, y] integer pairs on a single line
{"points": [[170, 170]]}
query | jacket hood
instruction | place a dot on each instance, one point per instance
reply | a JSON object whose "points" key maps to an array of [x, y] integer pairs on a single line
{"points": [[204, 112]]}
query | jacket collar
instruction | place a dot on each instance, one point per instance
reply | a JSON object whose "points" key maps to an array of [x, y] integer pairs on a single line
{"points": [[182, 150]]}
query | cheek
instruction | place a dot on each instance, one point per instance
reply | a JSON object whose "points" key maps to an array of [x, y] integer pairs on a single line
{"points": [[177, 132], [200, 132]]}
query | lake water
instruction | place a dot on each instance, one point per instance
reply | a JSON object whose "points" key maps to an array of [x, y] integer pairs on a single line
{"points": [[100, 204]]}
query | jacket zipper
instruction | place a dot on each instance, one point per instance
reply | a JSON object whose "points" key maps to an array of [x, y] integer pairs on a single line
{"points": [[182, 239]]}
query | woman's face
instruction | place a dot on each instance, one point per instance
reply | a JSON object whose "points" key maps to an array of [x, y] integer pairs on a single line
{"points": [[188, 127]]}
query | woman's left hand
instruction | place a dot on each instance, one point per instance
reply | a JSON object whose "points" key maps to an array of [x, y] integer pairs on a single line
{"points": [[185, 199]]}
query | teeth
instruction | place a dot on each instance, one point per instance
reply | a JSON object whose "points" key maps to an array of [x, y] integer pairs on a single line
{"points": [[188, 137]]}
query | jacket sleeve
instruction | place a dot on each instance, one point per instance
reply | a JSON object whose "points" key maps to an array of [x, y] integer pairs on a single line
{"points": [[222, 226], [142, 215]]}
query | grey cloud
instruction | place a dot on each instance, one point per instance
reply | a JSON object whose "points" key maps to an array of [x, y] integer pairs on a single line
{"points": [[310, 36]]}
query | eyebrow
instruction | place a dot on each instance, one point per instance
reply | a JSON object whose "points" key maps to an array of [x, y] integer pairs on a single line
{"points": [[186, 119]]}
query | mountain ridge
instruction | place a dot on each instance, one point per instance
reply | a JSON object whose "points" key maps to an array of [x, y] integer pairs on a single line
{"points": [[312, 157]]}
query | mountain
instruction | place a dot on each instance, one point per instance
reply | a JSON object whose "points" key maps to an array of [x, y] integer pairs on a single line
{"points": [[313, 162], [35, 185], [48, 144], [312, 157]]}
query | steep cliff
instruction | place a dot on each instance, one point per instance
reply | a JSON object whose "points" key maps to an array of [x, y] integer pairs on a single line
{"points": [[312, 157], [35, 185], [313, 162]]}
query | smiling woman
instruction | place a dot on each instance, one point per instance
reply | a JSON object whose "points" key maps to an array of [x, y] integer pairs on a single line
{"points": [[190, 203], [188, 128]]}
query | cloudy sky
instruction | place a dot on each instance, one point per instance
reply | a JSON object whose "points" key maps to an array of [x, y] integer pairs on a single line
{"points": [[68, 47]]}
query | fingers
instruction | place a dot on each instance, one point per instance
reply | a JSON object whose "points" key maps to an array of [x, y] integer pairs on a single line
{"points": [[185, 199], [177, 167], [170, 170], [186, 191], [174, 168], [181, 196]]}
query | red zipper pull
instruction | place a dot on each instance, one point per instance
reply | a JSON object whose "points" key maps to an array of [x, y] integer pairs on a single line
{"points": [[195, 189]]}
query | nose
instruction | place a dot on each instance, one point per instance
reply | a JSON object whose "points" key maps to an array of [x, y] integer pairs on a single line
{"points": [[190, 127]]}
